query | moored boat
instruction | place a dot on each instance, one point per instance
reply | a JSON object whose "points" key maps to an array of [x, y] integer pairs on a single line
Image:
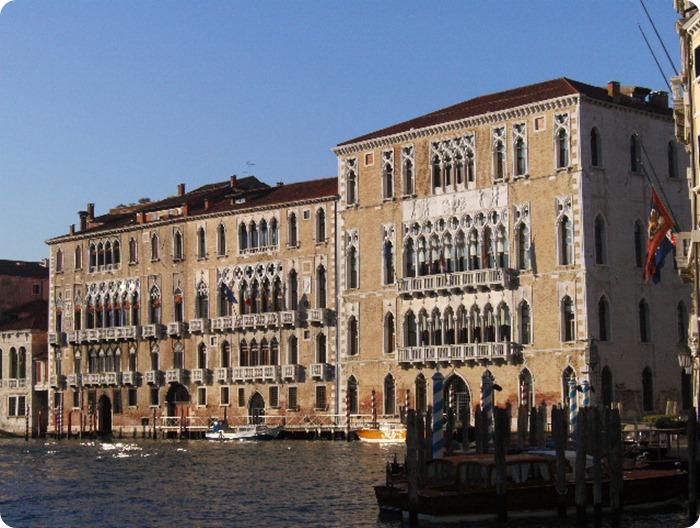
{"points": [[463, 487], [242, 432], [387, 432]]}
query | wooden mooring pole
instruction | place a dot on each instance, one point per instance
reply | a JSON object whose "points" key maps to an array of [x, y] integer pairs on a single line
{"points": [[595, 426], [413, 447], [692, 466], [580, 472], [501, 436], [614, 429], [559, 427]]}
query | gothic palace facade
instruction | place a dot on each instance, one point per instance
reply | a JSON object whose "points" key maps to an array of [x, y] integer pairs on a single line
{"points": [[500, 239]]}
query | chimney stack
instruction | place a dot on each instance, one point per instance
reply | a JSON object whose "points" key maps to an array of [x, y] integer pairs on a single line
{"points": [[91, 211], [72, 229], [206, 204], [181, 189], [659, 99], [83, 219], [233, 181], [614, 90]]}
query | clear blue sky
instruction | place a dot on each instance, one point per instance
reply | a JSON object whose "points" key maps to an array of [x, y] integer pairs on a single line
{"points": [[110, 101]]}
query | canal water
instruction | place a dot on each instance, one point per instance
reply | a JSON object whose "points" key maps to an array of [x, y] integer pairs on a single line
{"points": [[163, 484]]}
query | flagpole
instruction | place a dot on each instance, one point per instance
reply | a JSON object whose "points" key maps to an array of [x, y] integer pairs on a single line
{"points": [[658, 186]]}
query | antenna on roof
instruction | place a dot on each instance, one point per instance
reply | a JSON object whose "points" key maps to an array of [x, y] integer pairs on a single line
{"points": [[655, 59], [658, 37]]}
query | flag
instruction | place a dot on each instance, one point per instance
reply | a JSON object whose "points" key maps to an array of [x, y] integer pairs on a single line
{"points": [[229, 295], [661, 240]]}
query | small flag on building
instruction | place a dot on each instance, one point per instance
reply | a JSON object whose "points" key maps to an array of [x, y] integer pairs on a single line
{"points": [[661, 240], [229, 295]]}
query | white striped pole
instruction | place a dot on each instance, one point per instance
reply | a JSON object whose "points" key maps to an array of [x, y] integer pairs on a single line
{"points": [[438, 411], [374, 408], [586, 393], [573, 405], [487, 401], [408, 400]]}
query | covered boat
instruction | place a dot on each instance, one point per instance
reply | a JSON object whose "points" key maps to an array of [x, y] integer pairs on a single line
{"points": [[242, 432]]}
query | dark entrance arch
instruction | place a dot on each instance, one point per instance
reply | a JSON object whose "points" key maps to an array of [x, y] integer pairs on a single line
{"points": [[456, 396], [178, 400], [256, 408], [104, 413]]}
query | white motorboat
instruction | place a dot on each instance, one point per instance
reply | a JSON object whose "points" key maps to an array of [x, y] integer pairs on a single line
{"points": [[242, 432]]}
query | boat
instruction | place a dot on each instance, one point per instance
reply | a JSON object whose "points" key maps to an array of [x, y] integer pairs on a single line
{"points": [[462, 487], [387, 432], [242, 432]]}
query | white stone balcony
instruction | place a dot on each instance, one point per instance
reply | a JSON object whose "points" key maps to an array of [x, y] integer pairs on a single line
{"points": [[152, 331], [292, 373], [73, 380], [175, 376], [130, 377], [176, 329], [21, 383], [289, 318], [503, 351], [73, 337], [112, 379], [199, 326], [321, 371], [57, 338], [222, 324], [459, 281], [222, 375], [55, 381], [268, 373], [127, 333], [83, 336], [110, 333], [153, 377], [92, 379], [201, 376], [317, 316]]}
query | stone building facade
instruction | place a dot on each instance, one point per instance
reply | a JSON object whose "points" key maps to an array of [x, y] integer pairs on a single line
{"points": [[216, 302], [502, 240]]}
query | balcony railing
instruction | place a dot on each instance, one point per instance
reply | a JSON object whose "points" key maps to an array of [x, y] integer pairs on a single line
{"points": [[268, 373], [91, 379], [260, 320], [222, 375], [175, 376], [130, 333], [199, 326], [73, 380], [201, 376], [21, 383], [57, 338], [176, 329], [322, 371], [153, 377], [221, 324], [504, 351], [317, 316], [111, 378], [55, 381], [130, 377], [468, 281], [291, 372], [73, 337], [152, 331]]}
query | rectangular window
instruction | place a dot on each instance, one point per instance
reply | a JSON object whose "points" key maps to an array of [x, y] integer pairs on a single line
{"points": [[241, 397], [36, 289], [155, 396], [292, 402], [133, 397], [225, 397], [369, 159], [76, 399], [202, 396], [321, 404], [17, 405], [274, 397], [117, 401]]}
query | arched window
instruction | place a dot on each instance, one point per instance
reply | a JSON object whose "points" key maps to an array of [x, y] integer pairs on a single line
{"points": [[520, 157], [389, 395], [59, 261], [644, 322], [639, 244], [435, 327], [499, 160], [388, 254], [448, 318], [353, 336], [407, 169], [293, 351], [78, 258], [410, 330], [116, 253], [133, 251], [351, 181], [568, 319], [202, 356], [253, 235], [353, 398], [596, 154], [201, 243], [264, 233], [635, 154], [504, 323], [178, 306], [155, 246], [437, 173], [409, 258], [293, 235], [222, 246], [320, 226], [522, 246], [566, 241], [353, 277], [567, 377], [242, 237], [672, 160], [526, 398], [603, 320], [387, 175], [225, 354], [321, 353], [293, 290], [321, 287], [274, 232], [601, 254], [647, 390], [178, 246], [525, 323], [154, 312], [562, 147]]}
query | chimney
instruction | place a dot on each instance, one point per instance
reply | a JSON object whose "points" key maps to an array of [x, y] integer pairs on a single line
{"points": [[233, 181], [83, 219], [181, 189], [71, 230], [658, 99], [206, 204], [141, 218], [614, 90], [91, 211]]}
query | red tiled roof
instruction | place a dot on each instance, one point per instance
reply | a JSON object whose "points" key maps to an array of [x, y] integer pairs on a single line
{"points": [[19, 268], [504, 100]]}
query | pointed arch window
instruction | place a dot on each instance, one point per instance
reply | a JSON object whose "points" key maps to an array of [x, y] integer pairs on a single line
{"points": [[321, 287], [407, 169], [59, 261], [499, 161], [601, 253], [78, 258], [388, 175], [603, 319], [526, 389], [644, 322], [320, 225], [155, 247], [353, 277], [353, 397], [201, 243], [225, 354], [410, 330], [293, 351], [635, 153], [388, 259], [596, 153], [351, 183], [321, 352], [133, 251], [293, 234], [353, 336], [566, 241], [178, 245], [525, 328], [242, 236], [154, 313], [520, 148], [568, 318], [562, 145]]}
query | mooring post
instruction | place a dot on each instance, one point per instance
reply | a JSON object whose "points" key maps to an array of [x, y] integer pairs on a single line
{"points": [[522, 425], [413, 446], [559, 437], [597, 438], [580, 471], [692, 466], [465, 418], [501, 434], [478, 430], [542, 426], [614, 428]]}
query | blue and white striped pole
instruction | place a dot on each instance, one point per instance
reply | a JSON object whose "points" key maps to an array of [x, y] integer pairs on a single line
{"points": [[487, 402], [573, 405], [586, 393], [438, 411]]}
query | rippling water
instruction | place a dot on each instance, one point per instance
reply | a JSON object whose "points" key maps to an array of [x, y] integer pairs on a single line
{"points": [[146, 483]]}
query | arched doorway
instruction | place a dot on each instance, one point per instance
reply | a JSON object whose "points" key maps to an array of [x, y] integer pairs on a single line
{"points": [[256, 408], [456, 396], [104, 413], [178, 400]]}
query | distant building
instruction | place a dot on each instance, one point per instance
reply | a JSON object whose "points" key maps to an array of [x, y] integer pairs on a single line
{"points": [[23, 347], [503, 239]]}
